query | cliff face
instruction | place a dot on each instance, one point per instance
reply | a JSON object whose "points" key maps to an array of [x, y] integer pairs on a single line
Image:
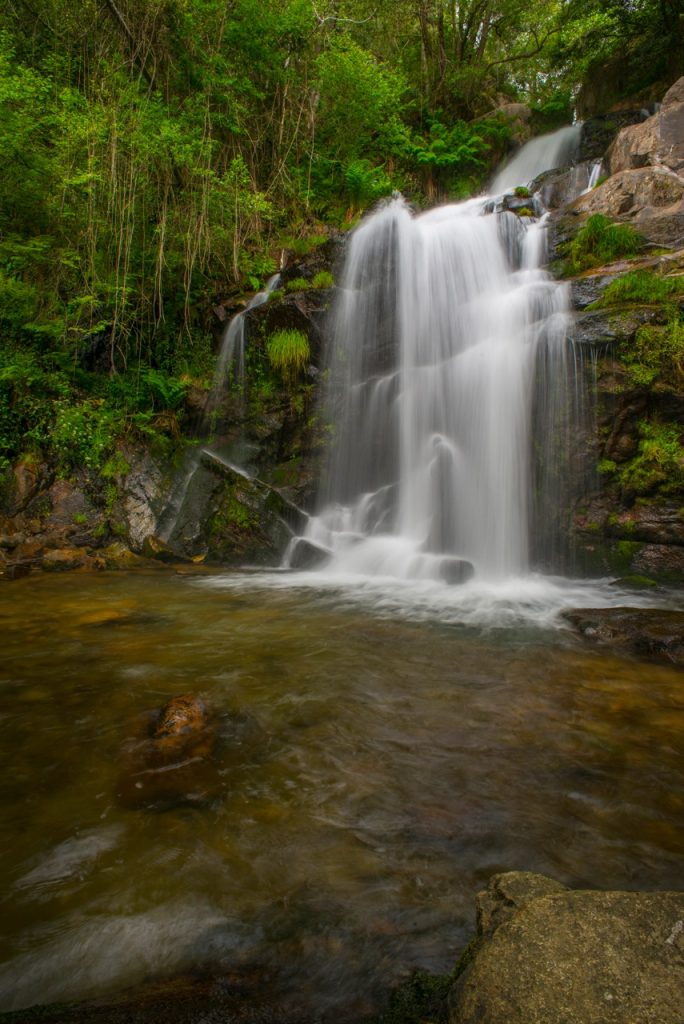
{"points": [[628, 515]]}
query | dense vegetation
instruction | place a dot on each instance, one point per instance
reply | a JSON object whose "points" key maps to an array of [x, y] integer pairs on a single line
{"points": [[158, 153]]}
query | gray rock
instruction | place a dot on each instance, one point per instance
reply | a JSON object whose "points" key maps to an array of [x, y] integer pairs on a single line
{"points": [[606, 326], [578, 958], [143, 500], [649, 198], [306, 555], [658, 141]]}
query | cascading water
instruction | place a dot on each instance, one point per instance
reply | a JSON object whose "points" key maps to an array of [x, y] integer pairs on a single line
{"points": [[538, 155], [444, 323]]}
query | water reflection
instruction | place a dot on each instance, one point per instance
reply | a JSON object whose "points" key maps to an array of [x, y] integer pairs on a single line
{"points": [[374, 766]]}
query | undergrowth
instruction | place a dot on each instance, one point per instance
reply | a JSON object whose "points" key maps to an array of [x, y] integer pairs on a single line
{"points": [[641, 287], [602, 241]]}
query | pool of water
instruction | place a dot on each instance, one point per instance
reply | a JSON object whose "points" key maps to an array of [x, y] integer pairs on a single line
{"points": [[382, 749]]}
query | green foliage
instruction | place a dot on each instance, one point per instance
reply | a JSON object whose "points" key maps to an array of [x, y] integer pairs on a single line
{"points": [[289, 352], [522, 192], [601, 241], [323, 279], [659, 462], [656, 355], [83, 435], [364, 184], [606, 467]]}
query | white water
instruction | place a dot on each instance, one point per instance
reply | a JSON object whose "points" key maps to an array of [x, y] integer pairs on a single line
{"points": [[535, 157], [435, 346]]}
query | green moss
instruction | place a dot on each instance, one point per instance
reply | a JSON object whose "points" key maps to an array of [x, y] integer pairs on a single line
{"points": [[601, 241], [656, 355], [606, 467], [525, 211], [522, 192], [277, 295], [659, 462], [80, 519]]}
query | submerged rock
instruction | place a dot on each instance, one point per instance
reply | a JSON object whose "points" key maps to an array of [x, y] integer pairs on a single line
{"points": [[169, 761], [648, 632], [306, 555], [456, 570], [546, 955]]}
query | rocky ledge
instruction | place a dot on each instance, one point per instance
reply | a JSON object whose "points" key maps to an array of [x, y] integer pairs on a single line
{"points": [[646, 632], [548, 955]]}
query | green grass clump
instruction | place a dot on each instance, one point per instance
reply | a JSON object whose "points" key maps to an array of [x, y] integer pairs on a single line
{"points": [[289, 352], [601, 241], [323, 279], [522, 192], [525, 211], [641, 286], [298, 284]]}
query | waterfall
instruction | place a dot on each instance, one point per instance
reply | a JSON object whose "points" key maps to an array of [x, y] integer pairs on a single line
{"points": [[447, 359], [538, 155]]}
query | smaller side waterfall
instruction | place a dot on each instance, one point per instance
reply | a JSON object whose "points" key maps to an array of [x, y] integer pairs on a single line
{"points": [[232, 351], [231, 360]]}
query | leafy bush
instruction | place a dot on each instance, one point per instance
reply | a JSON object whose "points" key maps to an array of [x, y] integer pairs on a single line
{"points": [[289, 352], [601, 241], [83, 434], [365, 184]]}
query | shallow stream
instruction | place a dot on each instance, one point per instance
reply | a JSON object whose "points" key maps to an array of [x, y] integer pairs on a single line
{"points": [[382, 750]]}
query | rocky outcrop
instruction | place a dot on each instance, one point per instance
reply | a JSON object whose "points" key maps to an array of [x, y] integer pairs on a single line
{"points": [[656, 142], [646, 632], [545, 954], [649, 198]]}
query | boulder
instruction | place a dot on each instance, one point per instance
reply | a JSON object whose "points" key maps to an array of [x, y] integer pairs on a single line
{"points": [[307, 555], [649, 198], [574, 957], [658, 141], [456, 570], [169, 760], [144, 496], [646, 632], [598, 132]]}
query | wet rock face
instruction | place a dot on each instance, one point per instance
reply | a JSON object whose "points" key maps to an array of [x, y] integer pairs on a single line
{"points": [[645, 632], [575, 957]]}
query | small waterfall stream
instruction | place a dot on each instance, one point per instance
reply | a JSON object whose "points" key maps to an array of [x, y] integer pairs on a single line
{"points": [[447, 365]]}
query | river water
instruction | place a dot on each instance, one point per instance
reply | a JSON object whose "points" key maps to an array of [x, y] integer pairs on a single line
{"points": [[383, 748]]}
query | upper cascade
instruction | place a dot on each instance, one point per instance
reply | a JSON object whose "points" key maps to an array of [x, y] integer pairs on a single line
{"points": [[543, 153]]}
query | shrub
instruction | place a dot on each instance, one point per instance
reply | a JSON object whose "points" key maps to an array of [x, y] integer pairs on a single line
{"points": [[601, 241], [83, 434], [288, 352]]}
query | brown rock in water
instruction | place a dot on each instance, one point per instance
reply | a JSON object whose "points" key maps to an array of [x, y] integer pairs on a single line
{"points": [[574, 957], [170, 760], [647, 632]]}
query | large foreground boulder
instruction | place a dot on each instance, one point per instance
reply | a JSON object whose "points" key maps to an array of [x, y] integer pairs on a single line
{"points": [[561, 957]]}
